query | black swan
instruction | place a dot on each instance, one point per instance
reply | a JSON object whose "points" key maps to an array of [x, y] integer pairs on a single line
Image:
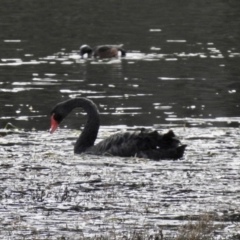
{"points": [[103, 51], [143, 143]]}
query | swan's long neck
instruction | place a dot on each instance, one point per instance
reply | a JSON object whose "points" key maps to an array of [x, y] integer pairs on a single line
{"points": [[90, 131]]}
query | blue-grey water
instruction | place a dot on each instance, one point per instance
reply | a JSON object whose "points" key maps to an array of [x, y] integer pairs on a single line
{"points": [[181, 71]]}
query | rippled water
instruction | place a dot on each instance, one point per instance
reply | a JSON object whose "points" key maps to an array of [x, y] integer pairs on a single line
{"points": [[118, 89], [49, 191], [181, 72], [182, 63]]}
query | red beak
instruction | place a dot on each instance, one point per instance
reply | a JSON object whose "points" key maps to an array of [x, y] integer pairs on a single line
{"points": [[54, 124]]}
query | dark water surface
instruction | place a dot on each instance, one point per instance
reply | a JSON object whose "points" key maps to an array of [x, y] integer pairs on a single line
{"points": [[181, 71], [182, 64]]}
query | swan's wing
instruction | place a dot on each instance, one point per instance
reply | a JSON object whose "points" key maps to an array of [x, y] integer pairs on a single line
{"points": [[120, 144], [144, 143]]}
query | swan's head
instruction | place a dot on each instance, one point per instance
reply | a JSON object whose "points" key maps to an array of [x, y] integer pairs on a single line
{"points": [[85, 49], [57, 115], [54, 124]]}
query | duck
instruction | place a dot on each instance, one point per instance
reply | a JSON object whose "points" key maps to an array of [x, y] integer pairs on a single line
{"points": [[102, 51], [142, 143]]}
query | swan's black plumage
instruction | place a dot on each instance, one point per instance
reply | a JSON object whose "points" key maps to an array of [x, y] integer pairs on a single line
{"points": [[143, 143], [102, 51]]}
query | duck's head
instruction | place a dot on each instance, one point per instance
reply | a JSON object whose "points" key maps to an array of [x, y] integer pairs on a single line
{"points": [[85, 49]]}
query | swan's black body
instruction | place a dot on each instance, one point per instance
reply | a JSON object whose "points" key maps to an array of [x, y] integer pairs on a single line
{"points": [[102, 51], [143, 143]]}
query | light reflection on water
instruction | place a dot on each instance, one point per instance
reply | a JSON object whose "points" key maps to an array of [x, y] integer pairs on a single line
{"points": [[58, 188], [181, 71], [122, 86]]}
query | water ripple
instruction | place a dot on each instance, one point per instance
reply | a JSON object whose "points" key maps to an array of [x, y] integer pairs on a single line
{"points": [[46, 185]]}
